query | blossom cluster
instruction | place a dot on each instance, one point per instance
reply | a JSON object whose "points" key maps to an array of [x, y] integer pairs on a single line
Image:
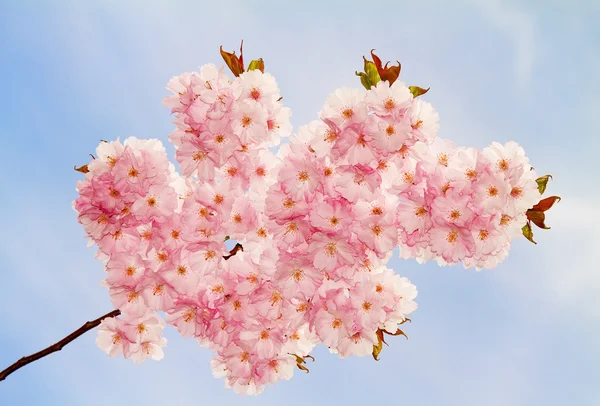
{"points": [[318, 222]]}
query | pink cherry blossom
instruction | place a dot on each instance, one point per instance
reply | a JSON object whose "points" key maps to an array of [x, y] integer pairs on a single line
{"points": [[314, 225]]}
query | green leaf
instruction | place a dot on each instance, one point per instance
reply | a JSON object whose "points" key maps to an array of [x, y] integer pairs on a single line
{"points": [[527, 232], [257, 64], [417, 91], [364, 79], [542, 181], [372, 73]]}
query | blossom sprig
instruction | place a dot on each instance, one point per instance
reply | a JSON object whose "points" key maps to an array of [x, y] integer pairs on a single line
{"points": [[314, 225]]}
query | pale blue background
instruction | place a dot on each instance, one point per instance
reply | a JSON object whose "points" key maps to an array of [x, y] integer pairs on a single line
{"points": [[526, 333]]}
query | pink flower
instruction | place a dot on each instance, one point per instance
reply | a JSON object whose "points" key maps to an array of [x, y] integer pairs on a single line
{"points": [[257, 86], [157, 293], [249, 122], [299, 175], [452, 209], [358, 342], [264, 340], [386, 100], [331, 215], [368, 305], [282, 206], [296, 276], [124, 269], [424, 121], [158, 204], [508, 160], [379, 233], [357, 182], [452, 243], [345, 107], [390, 134], [330, 251], [491, 193], [112, 338]]}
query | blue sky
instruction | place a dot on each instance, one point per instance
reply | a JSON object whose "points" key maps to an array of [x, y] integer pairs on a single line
{"points": [[76, 72]]}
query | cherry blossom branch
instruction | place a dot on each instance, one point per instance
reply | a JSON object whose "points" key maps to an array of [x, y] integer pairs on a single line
{"points": [[80, 331], [57, 346]]}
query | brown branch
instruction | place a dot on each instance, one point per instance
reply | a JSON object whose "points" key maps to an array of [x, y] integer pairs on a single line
{"points": [[80, 331], [234, 250], [57, 346]]}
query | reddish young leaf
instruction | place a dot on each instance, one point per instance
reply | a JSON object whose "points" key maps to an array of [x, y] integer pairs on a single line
{"points": [[546, 203], [391, 74], [537, 218], [233, 62], [82, 169], [397, 333], [377, 61], [242, 56]]}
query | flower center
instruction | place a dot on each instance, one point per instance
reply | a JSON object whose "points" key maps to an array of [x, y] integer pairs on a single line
{"points": [[246, 121], [199, 156], [298, 274], [288, 203], [503, 164], [389, 104], [390, 130], [443, 159], [158, 290], [492, 191], [261, 232], [133, 173], [452, 237], [255, 93], [454, 215], [483, 235], [421, 211], [471, 174], [260, 171], [347, 113], [303, 176]]}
